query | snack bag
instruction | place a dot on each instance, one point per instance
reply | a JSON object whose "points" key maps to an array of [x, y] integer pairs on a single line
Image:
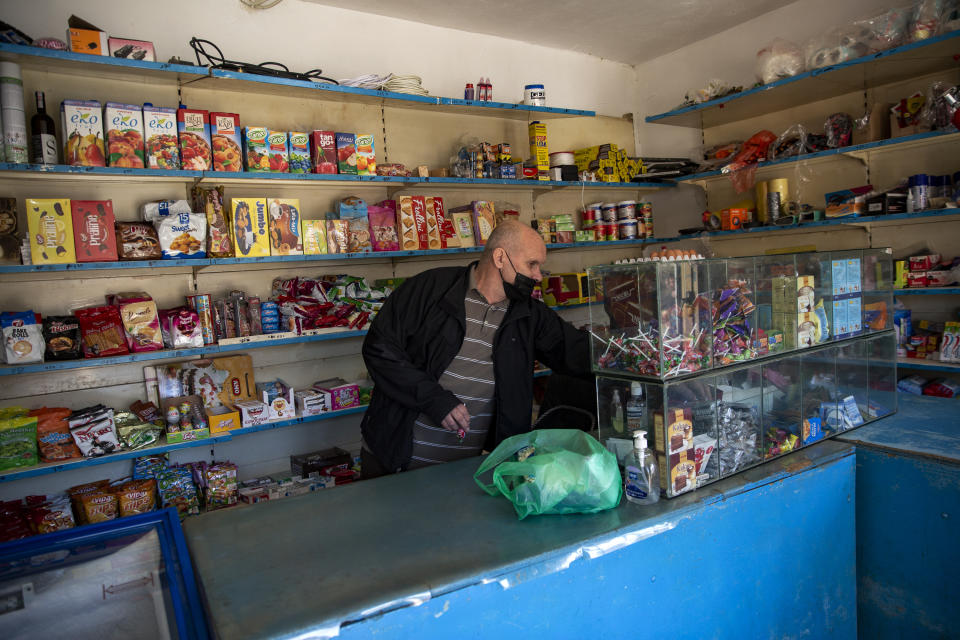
{"points": [[136, 496], [299, 152], [18, 442], [53, 435], [49, 515], [181, 328], [102, 332], [183, 235], [193, 128], [99, 506], [50, 224], [76, 497], [383, 227], [94, 235], [337, 236], [138, 241], [314, 237], [160, 132], [484, 220], [61, 334], [219, 238], [139, 315], [124, 135], [22, 337], [285, 233], [225, 142], [250, 231]]}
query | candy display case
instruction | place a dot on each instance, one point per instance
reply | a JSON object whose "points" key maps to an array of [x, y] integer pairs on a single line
{"points": [[882, 375], [781, 407], [735, 333], [852, 383]]}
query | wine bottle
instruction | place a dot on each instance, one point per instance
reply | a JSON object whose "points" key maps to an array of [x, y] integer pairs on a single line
{"points": [[43, 137]]}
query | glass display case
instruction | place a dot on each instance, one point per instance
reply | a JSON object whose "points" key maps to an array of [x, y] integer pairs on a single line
{"points": [[878, 285]]}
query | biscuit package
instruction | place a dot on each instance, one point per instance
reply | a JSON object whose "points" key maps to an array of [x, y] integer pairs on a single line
{"points": [[315, 237], [137, 241], [219, 237], [435, 238], [62, 337], [337, 236], [22, 337], [183, 235], [251, 234], [53, 435], [286, 237], [383, 226], [138, 312], [50, 224], [101, 330], [94, 235]]}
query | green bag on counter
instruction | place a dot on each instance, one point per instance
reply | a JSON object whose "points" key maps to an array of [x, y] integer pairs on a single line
{"points": [[551, 471]]}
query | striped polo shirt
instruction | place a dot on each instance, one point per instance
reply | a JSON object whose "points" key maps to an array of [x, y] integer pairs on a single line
{"points": [[469, 377]]}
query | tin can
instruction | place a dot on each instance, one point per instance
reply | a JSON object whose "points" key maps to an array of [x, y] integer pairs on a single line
{"points": [[644, 209], [590, 216], [648, 226], [203, 305], [628, 229], [609, 212], [627, 210], [609, 231]]}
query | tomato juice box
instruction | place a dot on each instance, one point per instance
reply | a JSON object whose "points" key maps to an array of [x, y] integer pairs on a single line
{"points": [[193, 128], [225, 142]]}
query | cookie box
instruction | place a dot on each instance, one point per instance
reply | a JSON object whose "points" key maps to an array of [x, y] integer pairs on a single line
{"points": [[285, 231], [50, 225], [251, 237], [94, 235]]}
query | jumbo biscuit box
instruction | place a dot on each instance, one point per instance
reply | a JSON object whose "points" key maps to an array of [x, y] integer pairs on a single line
{"points": [[251, 234]]}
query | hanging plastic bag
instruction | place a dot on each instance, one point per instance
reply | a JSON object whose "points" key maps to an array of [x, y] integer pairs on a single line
{"points": [[553, 471]]}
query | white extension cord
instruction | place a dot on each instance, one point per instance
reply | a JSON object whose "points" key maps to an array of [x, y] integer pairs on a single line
{"points": [[409, 84]]}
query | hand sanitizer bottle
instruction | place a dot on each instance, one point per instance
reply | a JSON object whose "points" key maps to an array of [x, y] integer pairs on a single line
{"points": [[641, 479]]}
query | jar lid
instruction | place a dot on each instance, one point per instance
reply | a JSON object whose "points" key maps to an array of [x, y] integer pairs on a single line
{"points": [[627, 203], [533, 86]]}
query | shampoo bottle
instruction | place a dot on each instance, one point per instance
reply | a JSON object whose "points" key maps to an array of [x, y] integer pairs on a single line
{"points": [[641, 478]]}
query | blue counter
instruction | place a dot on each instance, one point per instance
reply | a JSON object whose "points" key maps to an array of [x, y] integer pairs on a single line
{"points": [[908, 521], [426, 554]]}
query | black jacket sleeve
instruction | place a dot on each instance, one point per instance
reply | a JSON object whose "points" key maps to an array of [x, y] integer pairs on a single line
{"points": [[560, 345], [395, 372]]}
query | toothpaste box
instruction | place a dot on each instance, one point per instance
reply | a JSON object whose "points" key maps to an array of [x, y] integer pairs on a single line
{"points": [[160, 136], [251, 237], [854, 315], [225, 140], [346, 153], [255, 149], [839, 276], [366, 158], [125, 146], [81, 122], [324, 147], [299, 152], [278, 146], [840, 325], [193, 128], [853, 275]]}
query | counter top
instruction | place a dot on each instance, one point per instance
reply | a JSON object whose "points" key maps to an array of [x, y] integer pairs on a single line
{"points": [[923, 425], [316, 562]]}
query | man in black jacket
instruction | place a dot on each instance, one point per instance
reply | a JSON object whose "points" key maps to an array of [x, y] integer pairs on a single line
{"points": [[451, 357]]}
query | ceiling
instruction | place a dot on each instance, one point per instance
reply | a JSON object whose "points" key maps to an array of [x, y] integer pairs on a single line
{"points": [[628, 31]]}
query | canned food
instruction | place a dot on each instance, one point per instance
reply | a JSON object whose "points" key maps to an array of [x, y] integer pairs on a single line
{"points": [[609, 212], [610, 232], [628, 229], [627, 210]]}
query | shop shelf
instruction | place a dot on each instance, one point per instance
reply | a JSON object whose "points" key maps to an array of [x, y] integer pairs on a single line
{"points": [[929, 365], [101, 66], [900, 63], [858, 151], [254, 342], [59, 172], [69, 465], [931, 291]]}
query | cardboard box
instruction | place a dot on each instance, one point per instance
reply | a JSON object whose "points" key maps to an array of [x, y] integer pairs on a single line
{"points": [[162, 148], [838, 277], [282, 406], [256, 151], [323, 151], [366, 158], [225, 140], [222, 419], [561, 289], [310, 402], [854, 315], [193, 129], [286, 236], [539, 151], [314, 237], [419, 207], [124, 124], [343, 396], [218, 381], [252, 413], [91, 40], [940, 278], [321, 462], [184, 435], [853, 275], [251, 237], [81, 123], [887, 203], [131, 49], [94, 235], [299, 159], [841, 325], [924, 262], [435, 238], [50, 224], [463, 226], [346, 153]]}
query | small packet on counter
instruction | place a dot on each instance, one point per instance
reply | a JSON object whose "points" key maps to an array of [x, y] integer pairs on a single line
{"points": [[183, 235], [22, 337], [138, 241]]}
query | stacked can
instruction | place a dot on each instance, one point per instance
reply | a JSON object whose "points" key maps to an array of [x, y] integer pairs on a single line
{"points": [[591, 218], [203, 305], [645, 217], [608, 226], [627, 220], [269, 316]]}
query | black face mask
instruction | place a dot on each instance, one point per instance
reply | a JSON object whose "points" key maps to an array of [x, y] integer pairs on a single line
{"points": [[522, 286]]}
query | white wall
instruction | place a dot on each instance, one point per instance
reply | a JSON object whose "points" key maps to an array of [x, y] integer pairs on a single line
{"points": [[346, 44]]}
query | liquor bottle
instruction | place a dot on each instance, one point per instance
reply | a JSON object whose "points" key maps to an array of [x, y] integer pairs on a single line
{"points": [[43, 137]]}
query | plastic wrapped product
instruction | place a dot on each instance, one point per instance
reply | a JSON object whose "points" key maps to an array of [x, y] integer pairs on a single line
{"points": [[183, 235], [62, 337], [102, 332], [22, 337], [887, 30], [18, 442], [53, 435], [839, 130], [779, 59]]}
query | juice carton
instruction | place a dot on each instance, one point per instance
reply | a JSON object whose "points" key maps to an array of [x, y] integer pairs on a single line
{"points": [[279, 149], [94, 236], [324, 146], [346, 153], [193, 127], [225, 142], [285, 234], [366, 158], [255, 149], [160, 134], [299, 152], [82, 125], [50, 224], [124, 135], [251, 237]]}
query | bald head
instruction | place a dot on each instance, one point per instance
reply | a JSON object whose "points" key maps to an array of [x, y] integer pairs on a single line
{"points": [[515, 237]]}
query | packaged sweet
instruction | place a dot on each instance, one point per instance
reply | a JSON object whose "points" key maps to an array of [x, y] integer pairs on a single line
{"points": [[158, 210], [97, 437], [181, 328], [53, 435], [22, 337], [218, 482], [125, 146], [406, 224], [160, 133], [135, 433], [102, 332], [251, 237], [138, 241], [358, 235], [176, 488], [225, 141], [183, 235], [139, 316], [136, 496], [76, 497], [149, 466], [912, 384], [209, 200], [337, 236], [61, 334], [47, 515], [94, 235], [383, 227], [193, 129], [324, 147], [50, 224], [463, 227], [434, 226], [346, 153], [18, 442], [285, 232], [941, 388], [314, 237], [366, 158], [81, 123], [299, 152], [99, 506]]}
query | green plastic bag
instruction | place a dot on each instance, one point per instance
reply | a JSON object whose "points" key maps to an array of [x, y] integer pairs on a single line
{"points": [[568, 471]]}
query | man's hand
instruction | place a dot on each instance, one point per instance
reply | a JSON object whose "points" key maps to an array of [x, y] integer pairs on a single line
{"points": [[457, 419]]}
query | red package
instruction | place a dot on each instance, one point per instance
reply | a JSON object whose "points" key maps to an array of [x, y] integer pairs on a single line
{"points": [[420, 219], [324, 151], [383, 227], [754, 150], [93, 230], [53, 435], [102, 332]]}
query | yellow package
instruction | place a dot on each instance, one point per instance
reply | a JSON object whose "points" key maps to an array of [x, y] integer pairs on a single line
{"points": [[51, 231], [251, 233], [314, 237]]}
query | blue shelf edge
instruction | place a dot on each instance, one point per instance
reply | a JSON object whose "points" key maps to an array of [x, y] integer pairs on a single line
{"points": [[932, 365], [69, 465], [110, 61], [933, 291], [801, 76], [170, 354], [866, 146]]}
